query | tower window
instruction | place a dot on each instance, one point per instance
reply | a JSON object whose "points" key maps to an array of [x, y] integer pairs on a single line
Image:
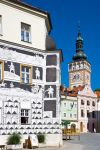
{"points": [[25, 32]]}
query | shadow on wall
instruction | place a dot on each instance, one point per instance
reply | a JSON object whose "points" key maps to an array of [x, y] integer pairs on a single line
{"points": [[93, 124]]}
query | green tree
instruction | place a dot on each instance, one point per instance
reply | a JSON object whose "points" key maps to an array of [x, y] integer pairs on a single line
{"points": [[97, 89], [15, 138], [65, 123]]}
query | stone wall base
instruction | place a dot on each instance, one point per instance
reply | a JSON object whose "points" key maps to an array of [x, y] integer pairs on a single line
{"points": [[50, 140]]}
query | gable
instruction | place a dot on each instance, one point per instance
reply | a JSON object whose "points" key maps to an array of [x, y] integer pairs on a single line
{"points": [[87, 91]]}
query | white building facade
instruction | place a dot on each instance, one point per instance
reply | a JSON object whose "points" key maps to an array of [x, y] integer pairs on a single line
{"points": [[29, 74], [87, 110]]}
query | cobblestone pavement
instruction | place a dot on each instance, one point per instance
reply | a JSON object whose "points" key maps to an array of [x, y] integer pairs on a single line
{"points": [[88, 141]]}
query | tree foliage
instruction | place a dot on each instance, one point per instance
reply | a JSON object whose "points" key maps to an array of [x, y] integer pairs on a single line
{"points": [[97, 90], [41, 138], [65, 122], [14, 139]]}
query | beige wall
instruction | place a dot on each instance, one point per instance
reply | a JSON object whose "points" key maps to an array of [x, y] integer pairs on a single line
{"points": [[11, 26]]}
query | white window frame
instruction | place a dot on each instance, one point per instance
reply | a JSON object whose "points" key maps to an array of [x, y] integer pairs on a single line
{"points": [[25, 32], [25, 114], [25, 74]]}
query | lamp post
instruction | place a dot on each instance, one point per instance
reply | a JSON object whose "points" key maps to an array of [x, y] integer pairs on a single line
{"points": [[98, 100]]}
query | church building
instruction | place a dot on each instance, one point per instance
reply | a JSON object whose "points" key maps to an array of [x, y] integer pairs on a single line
{"points": [[79, 93], [29, 74]]}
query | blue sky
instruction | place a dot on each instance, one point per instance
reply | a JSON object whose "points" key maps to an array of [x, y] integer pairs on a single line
{"points": [[65, 15]]}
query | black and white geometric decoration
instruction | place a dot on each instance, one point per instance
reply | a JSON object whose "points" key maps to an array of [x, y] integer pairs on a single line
{"points": [[35, 89]]}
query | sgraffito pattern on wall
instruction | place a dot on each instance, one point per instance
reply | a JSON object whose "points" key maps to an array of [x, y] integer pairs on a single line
{"points": [[51, 60], [50, 105], [38, 98], [51, 75], [50, 91], [37, 73]]}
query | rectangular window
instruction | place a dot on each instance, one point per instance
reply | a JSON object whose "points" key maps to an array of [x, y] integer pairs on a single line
{"points": [[24, 116], [82, 102], [70, 115], [64, 104], [25, 32], [88, 103], [0, 25], [64, 114], [93, 114], [82, 113], [26, 74], [88, 113], [75, 115]]}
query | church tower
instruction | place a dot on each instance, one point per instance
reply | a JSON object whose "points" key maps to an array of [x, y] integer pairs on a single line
{"points": [[79, 69]]}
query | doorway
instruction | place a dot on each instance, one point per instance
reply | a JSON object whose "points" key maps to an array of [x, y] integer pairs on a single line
{"points": [[81, 126]]}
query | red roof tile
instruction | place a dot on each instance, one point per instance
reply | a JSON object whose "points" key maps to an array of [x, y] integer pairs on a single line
{"points": [[97, 93], [71, 92]]}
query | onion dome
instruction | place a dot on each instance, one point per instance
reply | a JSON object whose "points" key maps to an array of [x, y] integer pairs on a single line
{"points": [[80, 55]]}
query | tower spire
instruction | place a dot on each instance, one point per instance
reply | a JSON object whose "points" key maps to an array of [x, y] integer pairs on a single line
{"points": [[79, 41], [79, 27], [80, 55]]}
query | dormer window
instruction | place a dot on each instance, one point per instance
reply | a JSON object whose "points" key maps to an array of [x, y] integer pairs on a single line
{"points": [[25, 32]]}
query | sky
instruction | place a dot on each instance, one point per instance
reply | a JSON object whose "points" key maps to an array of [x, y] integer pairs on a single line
{"points": [[65, 15]]}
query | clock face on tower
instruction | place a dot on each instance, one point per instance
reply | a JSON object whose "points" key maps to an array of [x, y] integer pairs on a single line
{"points": [[76, 77]]}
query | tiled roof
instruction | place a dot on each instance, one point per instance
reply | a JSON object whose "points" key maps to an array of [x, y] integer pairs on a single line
{"points": [[97, 93], [70, 92]]}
